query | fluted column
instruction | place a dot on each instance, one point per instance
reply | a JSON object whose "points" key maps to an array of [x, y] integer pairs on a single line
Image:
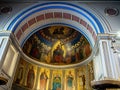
{"points": [[9, 58], [4, 43], [106, 61]]}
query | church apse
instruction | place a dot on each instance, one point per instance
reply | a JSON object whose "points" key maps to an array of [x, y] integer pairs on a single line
{"points": [[57, 45], [54, 46]]}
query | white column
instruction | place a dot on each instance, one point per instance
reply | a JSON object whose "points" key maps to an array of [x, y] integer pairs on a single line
{"points": [[115, 58], [106, 62], [98, 67], [118, 65], [9, 57], [4, 43]]}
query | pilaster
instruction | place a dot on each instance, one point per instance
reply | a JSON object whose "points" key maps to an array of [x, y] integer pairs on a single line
{"points": [[9, 58], [107, 62]]}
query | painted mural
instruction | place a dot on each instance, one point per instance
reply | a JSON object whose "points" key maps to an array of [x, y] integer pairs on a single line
{"points": [[43, 80], [69, 80], [57, 45], [26, 74], [32, 77], [57, 80]]}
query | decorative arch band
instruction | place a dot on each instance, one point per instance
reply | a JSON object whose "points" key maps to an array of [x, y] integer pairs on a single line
{"points": [[51, 15], [94, 28], [14, 24]]}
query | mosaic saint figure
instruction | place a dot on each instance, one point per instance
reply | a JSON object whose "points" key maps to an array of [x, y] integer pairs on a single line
{"points": [[68, 57], [56, 83], [20, 73], [30, 78], [87, 49], [43, 80], [69, 84], [58, 54], [35, 52]]}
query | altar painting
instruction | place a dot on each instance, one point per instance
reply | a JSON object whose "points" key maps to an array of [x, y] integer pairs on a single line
{"points": [[81, 78], [20, 72], [44, 79], [57, 45], [33, 77], [25, 75], [57, 80], [69, 80]]}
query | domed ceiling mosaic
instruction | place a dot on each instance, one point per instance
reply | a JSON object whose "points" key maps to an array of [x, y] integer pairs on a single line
{"points": [[57, 45]]}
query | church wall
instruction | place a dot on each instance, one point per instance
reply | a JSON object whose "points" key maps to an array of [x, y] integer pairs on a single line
{"points": [[47, 78], [111, 21], [6, 17], [108, 69]]}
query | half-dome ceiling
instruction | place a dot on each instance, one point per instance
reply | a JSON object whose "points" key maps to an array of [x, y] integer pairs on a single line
{"points": [[57, 45]]}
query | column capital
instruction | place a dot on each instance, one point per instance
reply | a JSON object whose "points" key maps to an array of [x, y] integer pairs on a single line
{"points": [[109, 36], [5, 33]]}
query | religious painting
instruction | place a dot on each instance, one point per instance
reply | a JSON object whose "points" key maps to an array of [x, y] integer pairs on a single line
{"points": [[70, 80], [30, 77], [57, 45], [44, 78], [57, 80], [81, 78], [85, 76], [25, 75], [20, 72]]}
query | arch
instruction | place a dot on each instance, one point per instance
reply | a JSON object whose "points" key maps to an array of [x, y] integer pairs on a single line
{"points": [[71, 13]]}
